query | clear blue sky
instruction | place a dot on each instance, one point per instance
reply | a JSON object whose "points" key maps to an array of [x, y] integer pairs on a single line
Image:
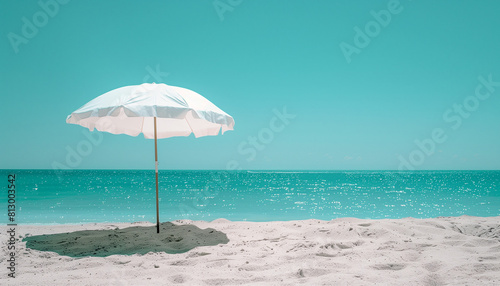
{"points": [[362, 87]]}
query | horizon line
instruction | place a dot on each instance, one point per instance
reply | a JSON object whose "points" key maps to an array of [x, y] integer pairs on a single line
{"points": [[257, 170]]}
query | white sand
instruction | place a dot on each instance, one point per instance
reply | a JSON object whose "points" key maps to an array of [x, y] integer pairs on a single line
{"points": [[443, 251]]}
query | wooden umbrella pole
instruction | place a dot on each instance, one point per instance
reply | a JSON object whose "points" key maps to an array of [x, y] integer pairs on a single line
{"points": [[156, 170]]}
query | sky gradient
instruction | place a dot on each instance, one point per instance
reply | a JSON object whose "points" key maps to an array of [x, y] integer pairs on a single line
{"points": [[323, 85]]}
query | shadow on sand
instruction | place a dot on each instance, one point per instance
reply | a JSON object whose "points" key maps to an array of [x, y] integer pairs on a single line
{"points": [[127, 241]]}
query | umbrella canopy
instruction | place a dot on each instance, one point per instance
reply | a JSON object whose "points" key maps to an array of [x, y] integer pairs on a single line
{"points": [[155, 110], [131, 110]]}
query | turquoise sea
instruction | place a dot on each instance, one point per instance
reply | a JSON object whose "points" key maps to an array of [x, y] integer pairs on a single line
{"points": [[83, 196]]}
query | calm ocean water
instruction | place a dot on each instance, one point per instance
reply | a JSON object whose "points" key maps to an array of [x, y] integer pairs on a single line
{"points": [[81, 196]]}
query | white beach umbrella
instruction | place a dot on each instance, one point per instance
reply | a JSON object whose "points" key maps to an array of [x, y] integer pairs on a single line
{"points": [[157, 111]]}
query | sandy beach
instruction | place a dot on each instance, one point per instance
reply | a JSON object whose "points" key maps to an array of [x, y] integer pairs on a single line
{"points": [[442, 251]]}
